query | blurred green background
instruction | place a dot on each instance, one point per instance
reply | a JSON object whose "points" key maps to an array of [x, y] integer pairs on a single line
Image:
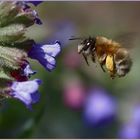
{"points": [[65, 91]]}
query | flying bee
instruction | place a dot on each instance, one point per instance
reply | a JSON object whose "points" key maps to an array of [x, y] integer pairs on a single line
{"points": [[108, 53]]}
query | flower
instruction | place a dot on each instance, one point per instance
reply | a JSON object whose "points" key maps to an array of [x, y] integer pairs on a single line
{"points": [[99, 107], [27, 91], [25, 8], [129, 131], [74, 94], [136, 114], [45, 54], [34, 2], [16, 17], [36, 18], [23, 73], [27, 71]]}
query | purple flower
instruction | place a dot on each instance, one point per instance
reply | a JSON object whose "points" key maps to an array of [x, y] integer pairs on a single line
{"points": [[36, 18], [23, 73], [27, 91], [46, 54], [129, 131], [99, 107], [27, 71], [136, 114]]}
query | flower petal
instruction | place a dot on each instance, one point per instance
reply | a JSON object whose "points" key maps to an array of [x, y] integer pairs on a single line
{"points": [[45, 54], [28, 71], [27, 91], [52, 49]]}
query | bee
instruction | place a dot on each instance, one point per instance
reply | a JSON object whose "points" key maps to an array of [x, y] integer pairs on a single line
{"points": [[110, 54]]}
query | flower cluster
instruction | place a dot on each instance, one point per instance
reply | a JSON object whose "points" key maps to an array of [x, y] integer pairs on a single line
{"points": [[98, 107], [15, 49]]}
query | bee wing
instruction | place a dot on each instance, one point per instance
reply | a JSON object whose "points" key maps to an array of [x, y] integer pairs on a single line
{"points": [[128, 39]]}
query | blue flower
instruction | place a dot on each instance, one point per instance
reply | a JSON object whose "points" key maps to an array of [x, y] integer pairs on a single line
{"points": [[46, 54], [99, 107], [27, 91], [129, 131], [34, 2], [131, 128], [27, 71], [136, 114], [23, 73], [36, 18]]}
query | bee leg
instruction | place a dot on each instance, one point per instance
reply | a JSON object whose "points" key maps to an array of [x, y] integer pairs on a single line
{"points": [[93, 58], [101, 64], [101, 60], [85, 57], [112, 75]]}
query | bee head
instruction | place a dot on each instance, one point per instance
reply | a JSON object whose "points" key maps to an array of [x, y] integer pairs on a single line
{"points": [[87, 45]]}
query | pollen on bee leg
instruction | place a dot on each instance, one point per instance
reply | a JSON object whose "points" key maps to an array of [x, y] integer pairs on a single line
{"points": [[110, 65]]}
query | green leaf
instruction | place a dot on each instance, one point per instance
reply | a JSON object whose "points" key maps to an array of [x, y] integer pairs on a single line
{"points": [[25, 44], [24, 18], [12, 33], [8, 10], [11, 57], [5, 76]]}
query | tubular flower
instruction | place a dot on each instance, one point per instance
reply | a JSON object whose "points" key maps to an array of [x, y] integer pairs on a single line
{"points": [[27, 71], [15, 48], [23, 73], [45, 54], [27, 91]]}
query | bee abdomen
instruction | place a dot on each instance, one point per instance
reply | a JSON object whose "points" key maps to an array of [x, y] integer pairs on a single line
{"points": [[122, 61], [123, 68]]}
